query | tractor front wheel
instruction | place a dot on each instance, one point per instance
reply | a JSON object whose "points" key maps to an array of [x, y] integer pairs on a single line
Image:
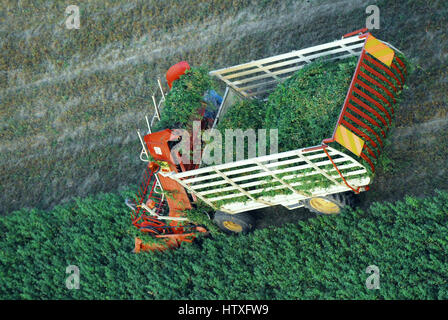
{"points": [[331, 204], [234, 223]]}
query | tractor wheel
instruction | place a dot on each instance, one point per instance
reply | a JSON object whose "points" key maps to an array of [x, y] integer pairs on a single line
{"points": [[331, 204], [234, 223]]}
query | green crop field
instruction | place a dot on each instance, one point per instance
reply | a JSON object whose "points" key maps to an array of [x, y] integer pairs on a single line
{"points": [[324, 258]]}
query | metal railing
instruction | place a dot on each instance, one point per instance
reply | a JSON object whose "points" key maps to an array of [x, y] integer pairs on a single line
{"points": [[249, 180], [144, 155], [259, 77], [368, 108]]}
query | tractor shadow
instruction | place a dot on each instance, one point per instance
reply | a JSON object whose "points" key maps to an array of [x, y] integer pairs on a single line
{"points": [[277, 216]]}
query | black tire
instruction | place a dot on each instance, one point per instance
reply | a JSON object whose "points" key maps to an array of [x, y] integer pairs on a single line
{"points": [[331, 204], [234, 223]]}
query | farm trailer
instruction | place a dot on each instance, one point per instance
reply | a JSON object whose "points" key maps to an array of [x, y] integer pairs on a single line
{"points": [[368, 108]]}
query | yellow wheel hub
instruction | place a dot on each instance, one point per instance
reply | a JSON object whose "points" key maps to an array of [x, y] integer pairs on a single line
{"points": [[232, 226], [324, 206]]}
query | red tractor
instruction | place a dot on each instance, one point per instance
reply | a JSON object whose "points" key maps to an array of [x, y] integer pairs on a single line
{"points": [[155, 213]]}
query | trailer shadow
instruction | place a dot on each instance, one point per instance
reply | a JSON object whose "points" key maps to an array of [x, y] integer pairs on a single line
{"points": [[279, 215]]}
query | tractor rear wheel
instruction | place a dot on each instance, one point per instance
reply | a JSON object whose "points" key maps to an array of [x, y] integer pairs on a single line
{"points": [[234, 223], [331, 204]]}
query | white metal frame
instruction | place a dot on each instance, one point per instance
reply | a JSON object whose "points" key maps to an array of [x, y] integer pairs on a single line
{"points": [[144, 156], [259, 77], [217, 179], [220, 109]]}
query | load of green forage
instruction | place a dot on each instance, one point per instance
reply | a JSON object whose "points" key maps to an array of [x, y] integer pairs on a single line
{"points": [[305, 107], [184, 100]]}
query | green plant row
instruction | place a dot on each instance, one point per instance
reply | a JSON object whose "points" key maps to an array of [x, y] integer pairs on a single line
{"points": [[114, 23], [322, 258], [65, 94]]}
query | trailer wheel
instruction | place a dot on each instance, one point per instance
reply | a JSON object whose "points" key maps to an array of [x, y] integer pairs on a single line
{"points": [[234, 223], [331, 204]]}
